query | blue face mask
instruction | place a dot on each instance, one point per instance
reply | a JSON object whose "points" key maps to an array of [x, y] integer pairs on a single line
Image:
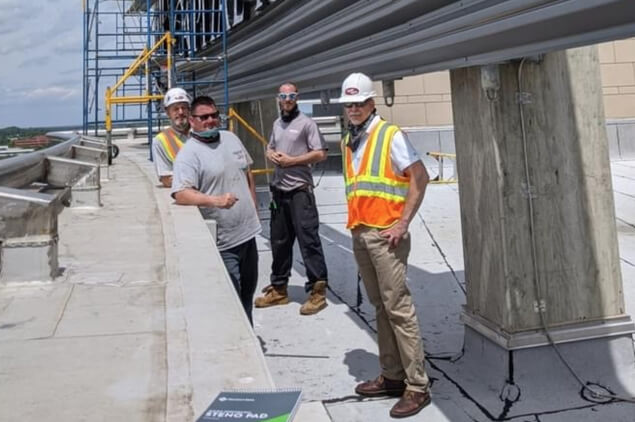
{"points": [[208, 133]]}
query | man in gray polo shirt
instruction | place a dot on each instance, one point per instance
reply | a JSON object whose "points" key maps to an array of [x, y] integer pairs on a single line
{"points": [[295, 144], [212, 171]]}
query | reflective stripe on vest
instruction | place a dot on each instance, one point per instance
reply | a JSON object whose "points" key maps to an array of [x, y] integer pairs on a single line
{"points": [[171, 142], [376, 196]]}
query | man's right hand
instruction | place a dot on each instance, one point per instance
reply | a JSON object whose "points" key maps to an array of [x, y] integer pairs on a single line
{"points": [[166, 181], [225, 201], [273, 156]]}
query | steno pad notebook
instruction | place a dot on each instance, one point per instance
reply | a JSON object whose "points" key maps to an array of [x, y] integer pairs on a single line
{"points": [[277, 405]]}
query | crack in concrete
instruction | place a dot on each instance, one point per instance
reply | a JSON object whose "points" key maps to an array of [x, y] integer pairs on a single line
{"points": [[625, 222], [445, 258], [504, 417], [63, 311]]}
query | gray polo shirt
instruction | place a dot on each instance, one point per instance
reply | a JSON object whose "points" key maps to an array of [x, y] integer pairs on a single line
{"points": [[214, 169], [297, 137]]}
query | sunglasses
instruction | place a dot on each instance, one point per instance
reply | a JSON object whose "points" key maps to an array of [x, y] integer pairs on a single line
{"points": [[358, 105], [291, 96], [203, 117]]}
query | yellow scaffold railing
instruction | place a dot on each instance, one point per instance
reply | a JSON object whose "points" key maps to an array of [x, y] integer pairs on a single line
{"points": [[440, 157], [143, 58], [233, 117]]}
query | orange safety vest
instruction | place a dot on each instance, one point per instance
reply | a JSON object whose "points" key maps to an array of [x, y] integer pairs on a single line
{"points": [[171, 142], [376, 196]]}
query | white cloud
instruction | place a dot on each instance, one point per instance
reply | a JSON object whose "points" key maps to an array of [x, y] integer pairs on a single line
{"points": [[10, 95], [17, 44], [41, 72], [56, 92], [34, 61]]}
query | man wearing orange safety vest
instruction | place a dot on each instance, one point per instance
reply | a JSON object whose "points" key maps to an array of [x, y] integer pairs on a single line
{"points": [[167, 144], [385, 183]]}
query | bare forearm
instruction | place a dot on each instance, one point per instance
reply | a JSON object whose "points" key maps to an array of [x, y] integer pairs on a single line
{"points": [[310, 157], [252, 186], [194, 197], [285, 160], [418, 182]]}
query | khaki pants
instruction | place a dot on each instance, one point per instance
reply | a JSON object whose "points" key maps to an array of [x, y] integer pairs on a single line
{"points": [[384, 273]]}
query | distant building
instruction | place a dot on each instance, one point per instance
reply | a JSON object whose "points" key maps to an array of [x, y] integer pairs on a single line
{"points": [[39, 141]]}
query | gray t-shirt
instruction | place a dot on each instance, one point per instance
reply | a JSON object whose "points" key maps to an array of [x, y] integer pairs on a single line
{"points": [[214, 169], [297, 137], [162, 162]]}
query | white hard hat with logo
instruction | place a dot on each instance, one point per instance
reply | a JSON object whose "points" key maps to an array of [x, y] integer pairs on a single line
{"points": [[176, 95], [356, 88]]}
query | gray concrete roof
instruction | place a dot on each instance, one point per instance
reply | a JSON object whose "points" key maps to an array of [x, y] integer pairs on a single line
{"points": [[329, 353], [144, 325]]}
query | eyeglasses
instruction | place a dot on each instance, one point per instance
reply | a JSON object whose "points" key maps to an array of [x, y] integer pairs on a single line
{"points": [[358, 105], [203, 117], [291, 96]]}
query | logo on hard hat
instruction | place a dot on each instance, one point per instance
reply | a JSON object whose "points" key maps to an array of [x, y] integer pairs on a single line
{"points": [[351, 91]]}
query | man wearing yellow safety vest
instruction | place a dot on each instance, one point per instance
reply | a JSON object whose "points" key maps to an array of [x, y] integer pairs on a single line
{"points": [[167, 144], [385, 184]]}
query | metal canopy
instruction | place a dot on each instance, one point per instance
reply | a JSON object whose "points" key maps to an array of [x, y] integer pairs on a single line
{"points": [[316, 44]]}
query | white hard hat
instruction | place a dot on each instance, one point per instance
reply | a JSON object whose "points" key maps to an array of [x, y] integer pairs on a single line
{"points": [[176, 95], [356, 88]]}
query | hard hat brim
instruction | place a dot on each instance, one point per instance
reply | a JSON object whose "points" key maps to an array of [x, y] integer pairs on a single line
{"points": [[178, 102], [354, 98]]}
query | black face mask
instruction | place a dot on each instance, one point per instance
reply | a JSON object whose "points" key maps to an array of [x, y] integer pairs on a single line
{"points": [[205, 139], [287, 116], [357, 131]]}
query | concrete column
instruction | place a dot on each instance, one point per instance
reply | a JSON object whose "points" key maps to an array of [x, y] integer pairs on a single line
{"points": [[537, 209], [539, 238]]}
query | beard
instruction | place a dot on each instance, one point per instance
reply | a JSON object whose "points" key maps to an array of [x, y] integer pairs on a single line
{"points": [[181, 125]]}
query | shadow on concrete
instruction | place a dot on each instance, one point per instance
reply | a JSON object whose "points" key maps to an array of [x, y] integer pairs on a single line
{"points": [[513, 394], [360, 363]]}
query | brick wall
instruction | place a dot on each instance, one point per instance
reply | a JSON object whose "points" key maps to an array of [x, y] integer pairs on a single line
{"points": [[617, 61]]}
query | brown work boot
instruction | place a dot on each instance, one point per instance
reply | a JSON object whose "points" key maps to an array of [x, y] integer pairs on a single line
{"points": [[317, 299], [272, 296], [381, 386], [410, 404]]}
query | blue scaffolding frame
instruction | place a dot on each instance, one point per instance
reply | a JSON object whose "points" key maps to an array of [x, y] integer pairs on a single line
{"points": [[116, 31]]}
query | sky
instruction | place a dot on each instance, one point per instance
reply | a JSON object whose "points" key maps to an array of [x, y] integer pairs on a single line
{"points": [[41, 53], [41, 71]]}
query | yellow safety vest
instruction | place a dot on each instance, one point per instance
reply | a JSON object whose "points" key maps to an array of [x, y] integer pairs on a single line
{"points": [[376, 196], [171, 142]]}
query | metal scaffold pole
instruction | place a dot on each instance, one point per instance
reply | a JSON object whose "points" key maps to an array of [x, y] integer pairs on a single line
{"points": [[118, 32]]}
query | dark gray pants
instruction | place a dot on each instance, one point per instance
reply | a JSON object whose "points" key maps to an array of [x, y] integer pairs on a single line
{"points": [[294, 215], [242, 265]]}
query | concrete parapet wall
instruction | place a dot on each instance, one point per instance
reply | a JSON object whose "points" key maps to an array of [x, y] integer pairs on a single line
{"points": [[211, 346], [34, 189]]}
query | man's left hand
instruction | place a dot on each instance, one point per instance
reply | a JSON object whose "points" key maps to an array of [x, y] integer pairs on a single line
{"points": [[284, 160], [395, 233]]}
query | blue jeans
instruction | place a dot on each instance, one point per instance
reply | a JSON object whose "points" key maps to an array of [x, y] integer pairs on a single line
{"points": [[242, 265]]}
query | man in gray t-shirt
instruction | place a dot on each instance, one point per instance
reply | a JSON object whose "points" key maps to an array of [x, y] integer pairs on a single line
{"points": [[212, 171], [295, 144]]}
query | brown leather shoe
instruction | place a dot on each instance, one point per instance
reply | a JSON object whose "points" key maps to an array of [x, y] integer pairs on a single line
{"points": [[410, 404], [381, 386], [272, 296], [316, 301]]}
